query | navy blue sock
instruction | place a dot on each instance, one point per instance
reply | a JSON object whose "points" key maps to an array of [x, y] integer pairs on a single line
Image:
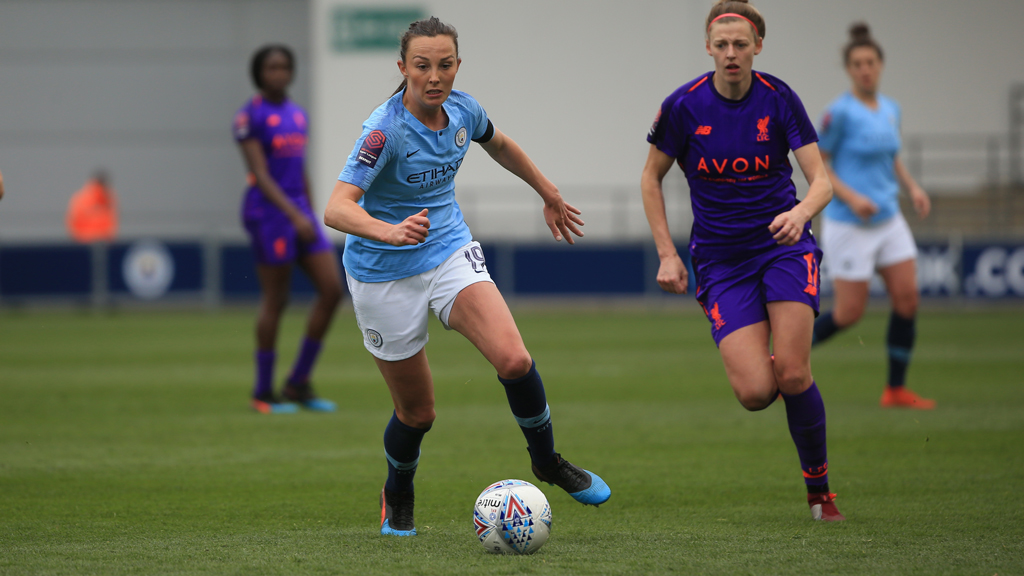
{"points": [[402, 448], [530, 407], [900, 342], [824, 328], [805, 413]]}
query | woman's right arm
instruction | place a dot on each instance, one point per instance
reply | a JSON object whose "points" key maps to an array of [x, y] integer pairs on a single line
{"points": [[861, 205], [252, 152], [672, 274], [344, 214]]}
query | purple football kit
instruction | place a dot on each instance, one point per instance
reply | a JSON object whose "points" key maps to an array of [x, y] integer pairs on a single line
{"points": [[735, 154], [280, 129]]}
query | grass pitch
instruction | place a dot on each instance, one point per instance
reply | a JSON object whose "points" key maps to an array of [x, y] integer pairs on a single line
{"points": [[127, 447]]}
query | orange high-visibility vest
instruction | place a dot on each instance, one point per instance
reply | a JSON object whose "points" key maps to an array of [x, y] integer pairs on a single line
{"points": [[92, 213]]}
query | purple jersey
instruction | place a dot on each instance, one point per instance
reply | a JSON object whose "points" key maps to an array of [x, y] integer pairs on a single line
{"points": [[735, 154], [280, 129]]}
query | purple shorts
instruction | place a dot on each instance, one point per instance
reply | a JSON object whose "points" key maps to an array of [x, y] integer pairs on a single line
{"points": [[276, 242], [734, 293]]}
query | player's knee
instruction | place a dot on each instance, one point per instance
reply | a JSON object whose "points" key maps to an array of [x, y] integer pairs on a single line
{"points": [[418, 416], [274, 305], [847, 316], [332, 293], [514, 365], [792, 378], [755, 400], [905, 304]]}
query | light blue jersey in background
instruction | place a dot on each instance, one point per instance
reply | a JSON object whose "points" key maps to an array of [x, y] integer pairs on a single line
{"points": [[404, 167], [863, 144]]}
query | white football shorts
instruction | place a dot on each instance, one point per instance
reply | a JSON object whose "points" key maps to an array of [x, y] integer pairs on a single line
{"points": [[393, 315], [855, 251]]}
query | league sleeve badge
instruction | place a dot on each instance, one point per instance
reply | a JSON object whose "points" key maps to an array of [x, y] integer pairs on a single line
{"points": [[654, 125], [370, 150], [241, 125]]}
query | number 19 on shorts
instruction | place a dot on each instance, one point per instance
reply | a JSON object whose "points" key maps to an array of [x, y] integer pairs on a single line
{"points": [[475, 256]]}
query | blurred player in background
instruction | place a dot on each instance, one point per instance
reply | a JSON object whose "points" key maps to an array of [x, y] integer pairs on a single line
{"points": [[278, 214], [92, 211], [1, 186], [409, 252], [863, 229], [756, 261]]}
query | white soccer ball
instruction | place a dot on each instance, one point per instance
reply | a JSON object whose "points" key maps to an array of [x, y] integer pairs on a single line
{"points": [[512, 517]]}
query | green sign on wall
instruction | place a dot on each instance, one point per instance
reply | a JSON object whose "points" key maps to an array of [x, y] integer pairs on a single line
{"points": [[366, 29]]}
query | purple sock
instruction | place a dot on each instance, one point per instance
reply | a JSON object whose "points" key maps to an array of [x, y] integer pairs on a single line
{"points": [[264, 373], [806, 415], [308, 352]]}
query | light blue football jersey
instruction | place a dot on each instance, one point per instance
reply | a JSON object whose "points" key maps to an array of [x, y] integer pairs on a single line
{"points": [[404, 167], [863, 144]]}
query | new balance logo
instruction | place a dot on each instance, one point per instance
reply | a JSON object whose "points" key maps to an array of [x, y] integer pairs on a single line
{"points": [[703, 130]]}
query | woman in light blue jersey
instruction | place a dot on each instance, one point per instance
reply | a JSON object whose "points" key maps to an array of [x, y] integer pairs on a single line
{"points": [[863, 229], [409, 252]]}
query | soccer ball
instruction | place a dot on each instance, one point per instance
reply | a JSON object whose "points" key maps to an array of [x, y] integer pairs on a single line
{"points": [[512, 517]]}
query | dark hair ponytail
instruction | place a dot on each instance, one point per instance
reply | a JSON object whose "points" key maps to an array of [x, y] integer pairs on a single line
{"points": [[428, 27], [860, 36]]}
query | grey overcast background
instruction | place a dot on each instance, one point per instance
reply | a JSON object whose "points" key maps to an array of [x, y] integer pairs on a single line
{"points": [[148, 88]]}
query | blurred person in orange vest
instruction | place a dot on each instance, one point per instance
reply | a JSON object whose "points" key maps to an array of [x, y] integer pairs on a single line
{"points": [[92, 213]]}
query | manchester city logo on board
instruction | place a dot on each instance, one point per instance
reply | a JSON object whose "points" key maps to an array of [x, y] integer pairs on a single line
{"points": [[148, 269], [374, 337], [460, 137]]}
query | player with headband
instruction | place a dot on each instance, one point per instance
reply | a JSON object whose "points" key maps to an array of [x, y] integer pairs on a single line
{"points": [[409, 252], [863, 229], [755, 260]]}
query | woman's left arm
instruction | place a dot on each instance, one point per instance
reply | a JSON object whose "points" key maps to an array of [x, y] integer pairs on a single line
{"points": [[922, 204], [788, 227], [562, 217]]}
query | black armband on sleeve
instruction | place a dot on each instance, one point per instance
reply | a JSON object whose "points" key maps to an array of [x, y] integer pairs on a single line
{"points": [[488, 134]]}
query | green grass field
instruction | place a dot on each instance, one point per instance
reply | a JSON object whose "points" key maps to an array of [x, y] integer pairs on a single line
{"points": [[127, 447]]}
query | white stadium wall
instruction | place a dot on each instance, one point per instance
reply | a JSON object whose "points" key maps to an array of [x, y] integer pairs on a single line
{"points": [[147, 88], [577, 85]]}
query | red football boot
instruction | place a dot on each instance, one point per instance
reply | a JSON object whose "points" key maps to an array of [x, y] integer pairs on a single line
{"points": [[901, 397], [823, 507]]}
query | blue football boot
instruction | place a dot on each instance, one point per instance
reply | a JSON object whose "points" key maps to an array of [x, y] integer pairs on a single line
{"points": [[303, 395], [396, 518], [583, 485], [270, 404]]}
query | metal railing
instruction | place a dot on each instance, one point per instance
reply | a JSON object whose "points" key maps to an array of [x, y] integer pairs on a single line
{"points": [[961, 163]]}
